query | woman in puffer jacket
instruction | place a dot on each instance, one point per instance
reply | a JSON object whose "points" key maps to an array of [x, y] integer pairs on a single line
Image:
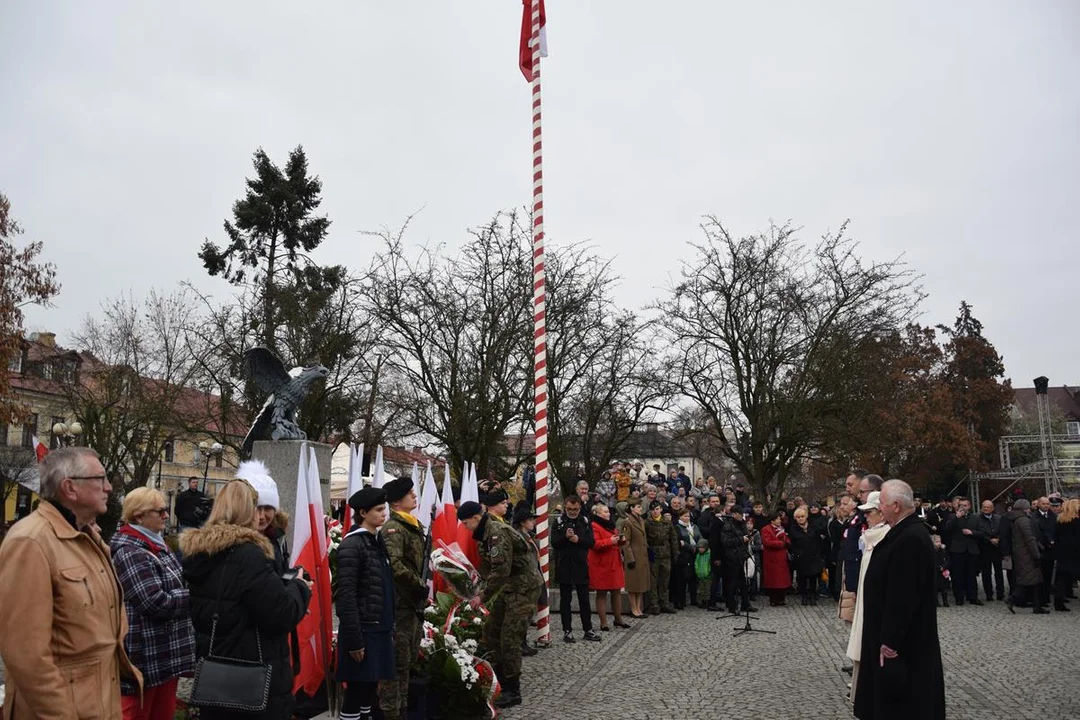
{"points": [[365, 606]]}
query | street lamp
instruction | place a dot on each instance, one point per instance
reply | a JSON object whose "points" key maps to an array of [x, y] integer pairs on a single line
{"points": [[67, 434], [209, 450]]}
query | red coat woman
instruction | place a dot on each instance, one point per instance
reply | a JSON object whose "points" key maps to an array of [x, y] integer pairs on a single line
{"points": [[605, 557], [776, 575]]}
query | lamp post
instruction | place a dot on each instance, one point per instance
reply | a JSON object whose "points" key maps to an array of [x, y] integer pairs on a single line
{"points": [[67, 434], [209, 451]]}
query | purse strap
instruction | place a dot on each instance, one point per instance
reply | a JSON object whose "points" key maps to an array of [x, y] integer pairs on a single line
{"points": [[213, 626]]}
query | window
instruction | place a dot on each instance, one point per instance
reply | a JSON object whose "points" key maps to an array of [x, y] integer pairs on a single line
{"points": [[217, 459], [15, 363], [1072, 428], [170, 451], [29, 431]]}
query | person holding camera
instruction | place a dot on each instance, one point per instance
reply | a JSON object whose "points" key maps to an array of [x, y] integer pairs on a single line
{"points": [[192, 506], [572, 539]]}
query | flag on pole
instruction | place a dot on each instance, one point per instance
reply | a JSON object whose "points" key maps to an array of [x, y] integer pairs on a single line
{"points": [[429, 499], [310, 552], [378, 473], [444, 527], [40, 448], [469, 488], [356, 481], [525, 54]]}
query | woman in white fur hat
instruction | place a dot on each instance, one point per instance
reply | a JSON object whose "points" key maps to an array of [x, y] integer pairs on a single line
{"points": [[272, 522]]}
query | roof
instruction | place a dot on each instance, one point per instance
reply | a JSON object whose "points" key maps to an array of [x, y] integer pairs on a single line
{"points": [[652, 442], [191, 403], [1064, 398]]}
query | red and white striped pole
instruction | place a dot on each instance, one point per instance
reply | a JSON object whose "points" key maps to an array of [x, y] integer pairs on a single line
{"points": [[539, 330]]}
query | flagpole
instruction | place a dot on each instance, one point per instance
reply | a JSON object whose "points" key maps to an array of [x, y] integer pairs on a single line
{"points": [[539, 329]]}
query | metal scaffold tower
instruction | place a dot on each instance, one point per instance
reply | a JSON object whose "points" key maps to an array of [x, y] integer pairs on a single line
{"points": [[1049, 467]]}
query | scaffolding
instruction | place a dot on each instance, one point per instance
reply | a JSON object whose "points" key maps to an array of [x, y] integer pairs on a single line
{"points": [[1049, 468]]}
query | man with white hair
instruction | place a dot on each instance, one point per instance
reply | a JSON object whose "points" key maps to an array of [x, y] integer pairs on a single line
{"points": [[62, 617], [906, 679]]}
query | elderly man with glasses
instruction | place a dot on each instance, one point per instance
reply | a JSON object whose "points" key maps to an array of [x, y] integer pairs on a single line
{"points": [[62, 618]]}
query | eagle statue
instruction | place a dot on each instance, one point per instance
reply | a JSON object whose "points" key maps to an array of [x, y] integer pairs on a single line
{"points": [[287, 390]]}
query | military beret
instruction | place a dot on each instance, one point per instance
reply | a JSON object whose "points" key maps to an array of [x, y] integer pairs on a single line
{"points": [[493, 498], [367, 498], [522, 513], [469, 509], [398, 488]]}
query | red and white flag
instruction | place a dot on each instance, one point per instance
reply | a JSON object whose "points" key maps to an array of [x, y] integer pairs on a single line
{"points": [[356, 482], [310, 552], [525, 53], [445, 525], [40, 448], [429, 499]]}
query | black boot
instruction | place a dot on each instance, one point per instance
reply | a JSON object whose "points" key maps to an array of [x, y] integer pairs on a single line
{"points": [[945, 599], [528, 650], [511, 693]]}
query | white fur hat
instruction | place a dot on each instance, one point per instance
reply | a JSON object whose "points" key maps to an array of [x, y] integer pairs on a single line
{"points": [[258, 476]]}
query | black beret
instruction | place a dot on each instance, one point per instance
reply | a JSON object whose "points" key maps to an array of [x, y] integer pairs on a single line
{"points": [[398, 488], [469, 509], [522, 513], [655, 504], [493, 498], [367, 498]]}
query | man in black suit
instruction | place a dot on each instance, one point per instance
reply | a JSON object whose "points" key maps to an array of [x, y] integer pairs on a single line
{"points": [[1045, 523], [900, 673], [965, 538], [989, 523]]}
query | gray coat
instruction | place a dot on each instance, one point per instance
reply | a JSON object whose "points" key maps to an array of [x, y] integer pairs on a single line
{"points": [[1025, 553]]}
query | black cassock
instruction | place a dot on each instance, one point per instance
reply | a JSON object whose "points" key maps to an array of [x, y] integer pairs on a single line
{"points": [[900, 611]]}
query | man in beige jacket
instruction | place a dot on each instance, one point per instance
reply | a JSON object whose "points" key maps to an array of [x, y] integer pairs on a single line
{"points": [[62, 619]]}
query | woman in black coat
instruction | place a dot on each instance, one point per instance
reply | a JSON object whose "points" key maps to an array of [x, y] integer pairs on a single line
{"points": [[1067, 546], [808, 545], [228, 565], [365, 605]]}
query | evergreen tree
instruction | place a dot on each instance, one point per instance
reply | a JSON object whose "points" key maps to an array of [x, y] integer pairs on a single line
{"points": [[273, 227]]}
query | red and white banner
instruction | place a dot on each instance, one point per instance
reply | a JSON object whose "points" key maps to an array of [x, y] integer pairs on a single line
{"points": [[356, 482], [310, 552], [525, 54]]}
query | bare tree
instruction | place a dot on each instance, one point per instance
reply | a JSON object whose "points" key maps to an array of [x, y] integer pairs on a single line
{"points": [[457, 332], [766, 331], [133, 387]]}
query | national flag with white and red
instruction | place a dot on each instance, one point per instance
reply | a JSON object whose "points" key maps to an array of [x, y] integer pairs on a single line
{"points": [[525, 53], [310, 552]]}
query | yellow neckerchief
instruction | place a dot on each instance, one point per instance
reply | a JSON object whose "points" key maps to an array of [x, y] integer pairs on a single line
{"points": [[496, 517], [407, 518]]}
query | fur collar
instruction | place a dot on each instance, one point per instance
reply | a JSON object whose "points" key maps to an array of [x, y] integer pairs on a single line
{"points": [[214, 539]]}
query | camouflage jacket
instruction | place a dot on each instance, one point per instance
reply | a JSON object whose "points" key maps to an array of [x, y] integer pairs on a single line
{"points": [[405, 546], [506, 562], [663, 539]]}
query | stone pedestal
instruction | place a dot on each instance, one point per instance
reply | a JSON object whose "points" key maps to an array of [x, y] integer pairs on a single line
{"points": [[282, 458]]}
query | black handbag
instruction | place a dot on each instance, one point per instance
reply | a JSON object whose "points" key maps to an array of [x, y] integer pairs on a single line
{"points": [[231, 683]]}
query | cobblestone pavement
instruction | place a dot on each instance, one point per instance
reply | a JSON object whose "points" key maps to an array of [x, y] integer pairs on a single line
{"points": [[688, 666]]}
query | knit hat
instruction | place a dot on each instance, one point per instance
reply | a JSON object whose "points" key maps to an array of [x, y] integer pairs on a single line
{"points": [[367, 498], [258, 477], [398, 488], [469, 509]]}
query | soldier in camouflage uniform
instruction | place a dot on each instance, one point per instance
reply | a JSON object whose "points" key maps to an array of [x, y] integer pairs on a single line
{"points": [[511, 581], [663, 547], [405, 544]]}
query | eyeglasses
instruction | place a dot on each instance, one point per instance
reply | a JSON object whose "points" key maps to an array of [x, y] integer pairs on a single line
{"points": [[162, 512], [102, 478]]}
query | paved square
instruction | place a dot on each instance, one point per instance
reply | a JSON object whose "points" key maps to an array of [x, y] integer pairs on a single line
{"points": [[689, 666]]}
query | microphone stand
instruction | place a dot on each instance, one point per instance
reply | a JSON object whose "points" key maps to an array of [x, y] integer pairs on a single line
{"points": [[746, 628]]}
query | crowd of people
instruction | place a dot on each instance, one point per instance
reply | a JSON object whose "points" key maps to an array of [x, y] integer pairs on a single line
{"points": [[111, 628]]}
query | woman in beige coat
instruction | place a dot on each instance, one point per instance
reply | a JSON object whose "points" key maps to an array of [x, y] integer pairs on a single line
{"points": [[876, 529], [636, 557]]}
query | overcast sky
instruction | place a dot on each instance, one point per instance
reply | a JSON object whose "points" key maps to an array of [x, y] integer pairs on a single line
{"points": [[946, 131]]}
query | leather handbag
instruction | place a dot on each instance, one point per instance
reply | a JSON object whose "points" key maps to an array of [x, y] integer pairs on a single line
{"points": [[231, 683], [847, 606]]}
